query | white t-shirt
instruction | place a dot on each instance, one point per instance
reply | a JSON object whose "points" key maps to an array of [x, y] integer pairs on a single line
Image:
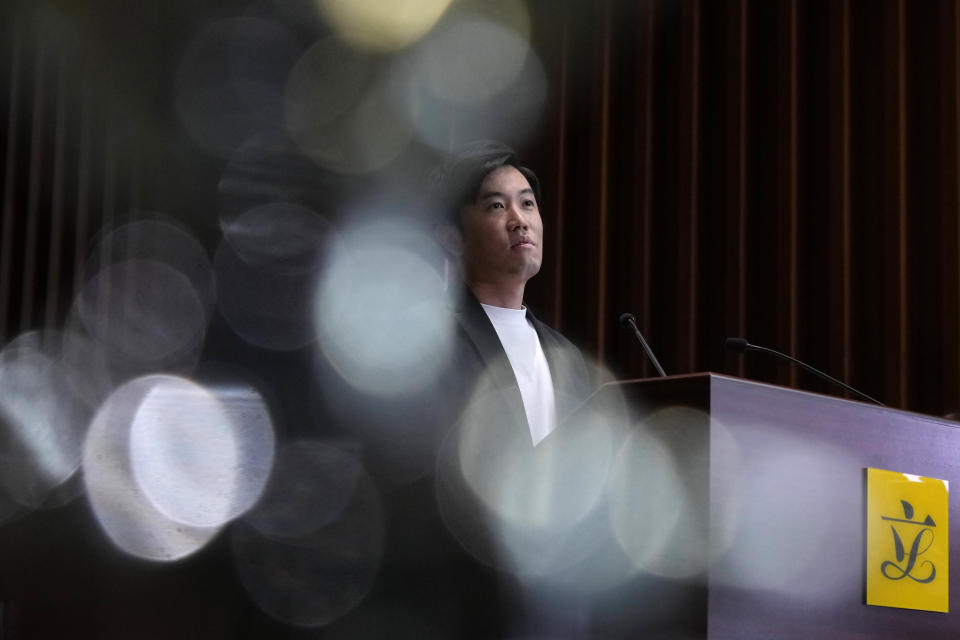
{"points": [[522, 345]]}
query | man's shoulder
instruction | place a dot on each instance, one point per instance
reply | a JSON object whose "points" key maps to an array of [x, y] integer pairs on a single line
{"points": [[553, 333], [547, 332]]}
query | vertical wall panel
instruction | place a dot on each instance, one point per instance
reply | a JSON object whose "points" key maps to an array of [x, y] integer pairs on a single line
{"points": [[37, 167], [84, 162], [9, 185], [688, 180], [738, 37], [604, 180], [560, 198], [643, 149], [56, 231], [788, 289], [895, 209], [950, 202], [839, 228]]}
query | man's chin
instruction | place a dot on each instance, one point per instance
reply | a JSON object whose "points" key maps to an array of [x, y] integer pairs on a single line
{"points": [[531, 269]]}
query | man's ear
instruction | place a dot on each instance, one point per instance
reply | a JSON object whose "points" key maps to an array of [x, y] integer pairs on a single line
{"points": [[449, 237]]}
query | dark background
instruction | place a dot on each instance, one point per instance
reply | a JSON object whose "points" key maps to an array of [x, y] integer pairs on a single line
{"points": [[784, 171]]}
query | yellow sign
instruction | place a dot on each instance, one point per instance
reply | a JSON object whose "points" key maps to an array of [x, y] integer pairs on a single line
{"points": [[908, 545]]}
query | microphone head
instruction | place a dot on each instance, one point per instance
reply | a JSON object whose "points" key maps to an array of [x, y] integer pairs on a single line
{"points": [[626, 319], [737, 344]]}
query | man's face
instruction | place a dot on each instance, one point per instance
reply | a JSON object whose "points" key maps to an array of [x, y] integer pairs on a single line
{"points": [[502, 230]]}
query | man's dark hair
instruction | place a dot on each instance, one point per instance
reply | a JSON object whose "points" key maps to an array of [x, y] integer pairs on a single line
{"points": [[456, 182]]}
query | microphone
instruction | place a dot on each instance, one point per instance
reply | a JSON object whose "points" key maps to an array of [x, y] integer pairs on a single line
{"points": [[628, 320], [741, 345]]}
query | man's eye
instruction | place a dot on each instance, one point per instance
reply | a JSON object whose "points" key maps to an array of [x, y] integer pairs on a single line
{"points": [[496, 205], [528, 203]]}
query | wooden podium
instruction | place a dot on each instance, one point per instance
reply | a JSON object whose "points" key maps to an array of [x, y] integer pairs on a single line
{"points": [[774, 507]]}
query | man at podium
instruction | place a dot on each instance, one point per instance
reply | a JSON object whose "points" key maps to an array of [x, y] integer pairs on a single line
{"points": [[492, 228], [460, 540]]}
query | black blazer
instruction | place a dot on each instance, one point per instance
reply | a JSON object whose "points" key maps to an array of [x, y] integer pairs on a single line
{"points": [[441, 561], [479, 358]]}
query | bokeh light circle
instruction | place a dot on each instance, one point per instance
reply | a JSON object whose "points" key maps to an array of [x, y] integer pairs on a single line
{"points": [[381, 314], [167, 463], [475, 77], [470, 59], [533, 511], [783, 532], [345, 110], [131, 520], [374, 25], [146, 314], [229, 83], [327, 82], [664, 529], [513, 114], [292, 507], [311, 571], [42, 425], [266, 306], [269, 168], [283, 237], [81, 365], [201, 458], [161, 240]]}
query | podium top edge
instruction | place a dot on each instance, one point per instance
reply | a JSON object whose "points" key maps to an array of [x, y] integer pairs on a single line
{"points": [[708, 378]]}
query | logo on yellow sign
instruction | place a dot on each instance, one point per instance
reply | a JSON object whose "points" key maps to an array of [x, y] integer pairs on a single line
{"points": [[907, 541]]}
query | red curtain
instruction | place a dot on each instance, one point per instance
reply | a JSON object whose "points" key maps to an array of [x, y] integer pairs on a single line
{"points": [[786, 171], [783, 171]]}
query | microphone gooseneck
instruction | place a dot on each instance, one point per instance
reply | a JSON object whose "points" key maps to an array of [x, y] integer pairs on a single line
{"points": [[628, 320], [742, 345]]}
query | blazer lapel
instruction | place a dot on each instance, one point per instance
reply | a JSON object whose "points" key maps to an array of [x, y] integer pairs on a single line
{"points": [[479, 329]]}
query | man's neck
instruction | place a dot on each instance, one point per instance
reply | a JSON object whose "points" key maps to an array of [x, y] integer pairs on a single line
{"points": [[507, 296]]}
